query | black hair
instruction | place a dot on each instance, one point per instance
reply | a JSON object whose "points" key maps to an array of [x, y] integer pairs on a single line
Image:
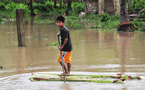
{"points": [[60, 18]]}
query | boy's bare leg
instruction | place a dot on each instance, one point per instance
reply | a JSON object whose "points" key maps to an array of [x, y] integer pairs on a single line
{"points": [[66, 70]]}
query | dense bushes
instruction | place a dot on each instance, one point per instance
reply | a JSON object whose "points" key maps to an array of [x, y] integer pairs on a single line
{"points": [[46, 8], [139, 5], [78, 7], [11, 6]]}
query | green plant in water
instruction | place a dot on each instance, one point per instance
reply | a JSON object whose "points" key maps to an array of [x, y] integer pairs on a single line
{"points": [[53, 44]]}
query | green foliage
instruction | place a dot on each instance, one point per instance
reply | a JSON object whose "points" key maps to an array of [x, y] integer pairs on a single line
{"points": [[9, 9], [92, 16], [53, 44], [138, 23], [48, 8], [2, 6], [104, 17], [78, 7], [76, 26], [138, 4], [39, 7], [96, 26], [109, 21], [115, 18], [0, 19], [6, 1], [11, 6], [73, 22], [73, 18], [24, 7]]}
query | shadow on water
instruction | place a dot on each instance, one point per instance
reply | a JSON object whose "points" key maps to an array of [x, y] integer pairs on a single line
{"points": [[94, 52]]}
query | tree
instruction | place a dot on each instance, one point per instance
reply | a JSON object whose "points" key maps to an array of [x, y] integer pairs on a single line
{"points": [[125, 25], [80, 1], [129, 5], [31, 7], [60, 3], [55, 2], [64, 2], [68, 7], [123, 13]]}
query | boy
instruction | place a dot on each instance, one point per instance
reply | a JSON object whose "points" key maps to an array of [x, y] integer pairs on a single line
{"points": [[66, 46]]}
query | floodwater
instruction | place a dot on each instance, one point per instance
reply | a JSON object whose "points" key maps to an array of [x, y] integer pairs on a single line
{"points": [[94, 52]]}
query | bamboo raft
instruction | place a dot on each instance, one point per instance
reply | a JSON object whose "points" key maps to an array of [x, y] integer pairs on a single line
{"points": [[71, 78], [83, 78]]}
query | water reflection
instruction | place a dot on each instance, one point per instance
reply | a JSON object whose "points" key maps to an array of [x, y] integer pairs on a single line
{"points": [[125, 47], [21, 60]]}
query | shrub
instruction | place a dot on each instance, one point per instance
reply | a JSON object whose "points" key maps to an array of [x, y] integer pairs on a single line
{"points": [[104, 17], [11, 6], [139, 24], [92, 16], [78, 7], [2, 6]]}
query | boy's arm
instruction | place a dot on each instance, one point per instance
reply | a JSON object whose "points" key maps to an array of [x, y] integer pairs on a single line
{"points": [[65, 41], [57, 34]]}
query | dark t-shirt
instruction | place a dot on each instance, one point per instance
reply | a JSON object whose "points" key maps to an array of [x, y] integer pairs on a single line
{"points": [[64, 33]]}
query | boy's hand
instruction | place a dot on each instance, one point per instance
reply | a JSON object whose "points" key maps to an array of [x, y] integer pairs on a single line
{"points": [[57, 34], [60, 47]]}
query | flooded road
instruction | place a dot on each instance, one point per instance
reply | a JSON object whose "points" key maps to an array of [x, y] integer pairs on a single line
{"points": [[94, 52]]}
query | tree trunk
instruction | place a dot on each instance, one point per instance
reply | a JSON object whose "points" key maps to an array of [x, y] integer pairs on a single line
{"points": [[134, 4], [80, 1], [64, 2], [55, 2], [60, 3], [125, 25], [68, 7], [123, 13], [74, 1], [20, 28], [129, 9], [37, 1], [25, 2], [31, 7], [19, 1]]}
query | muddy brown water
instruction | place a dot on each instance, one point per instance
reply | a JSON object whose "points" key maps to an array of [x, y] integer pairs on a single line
{"points": [[94, 52]]}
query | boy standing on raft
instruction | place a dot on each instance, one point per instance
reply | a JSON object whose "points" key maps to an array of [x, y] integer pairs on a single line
{"points": [[66, 46]]}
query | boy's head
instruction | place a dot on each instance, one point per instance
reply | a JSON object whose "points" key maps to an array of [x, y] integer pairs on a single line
{"points": [[60, 21]]}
